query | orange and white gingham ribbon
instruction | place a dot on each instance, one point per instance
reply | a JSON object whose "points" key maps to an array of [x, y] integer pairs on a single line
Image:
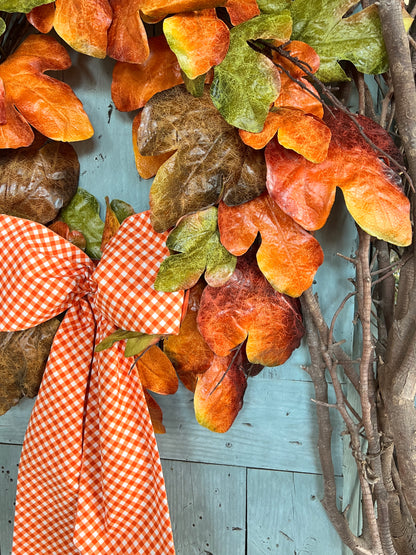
{"points": [[90, 478]]}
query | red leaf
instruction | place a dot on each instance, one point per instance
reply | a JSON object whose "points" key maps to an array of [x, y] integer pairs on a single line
{"points": [[155, 413], [248, 306], [42, 17], [306, 191]]}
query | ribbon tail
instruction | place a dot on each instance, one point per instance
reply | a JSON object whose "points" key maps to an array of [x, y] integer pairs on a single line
{"points": [[49, 470], [122, 505]]}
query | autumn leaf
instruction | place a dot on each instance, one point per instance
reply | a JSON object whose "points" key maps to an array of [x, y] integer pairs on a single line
{"points": [[42, 17], [111, 224], [297, 112], [121, 209], [35, 183], [22, 6], [136, 342], [199, 39], [32, 98], [288, 255], [74, 237], [219, 393], [127, 38], [197, 244], [155, 413], [241, 10], [247, 82], [155, 10], [306, 191], [247, 307], [357, 38], [83, 214], [156, 372], [134, 84], [146, 166], [296, 91], [97, 27], [303, 133], [84, 25], [188, 351], [210, 162]]}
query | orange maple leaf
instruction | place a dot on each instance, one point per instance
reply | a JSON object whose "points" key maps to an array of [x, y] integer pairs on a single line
{"points": [[30, 98]]}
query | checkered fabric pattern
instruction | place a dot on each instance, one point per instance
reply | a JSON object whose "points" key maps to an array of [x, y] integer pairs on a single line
{"points": [[90, 479]]}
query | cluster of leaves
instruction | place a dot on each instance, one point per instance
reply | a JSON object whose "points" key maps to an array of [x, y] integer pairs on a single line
{"points": [[245, 157]]}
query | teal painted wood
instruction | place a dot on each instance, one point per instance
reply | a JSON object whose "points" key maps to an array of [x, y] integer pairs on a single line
{"points": [[276, 429], [208, 507], [9, 460], [285, 516], [13, 424]]}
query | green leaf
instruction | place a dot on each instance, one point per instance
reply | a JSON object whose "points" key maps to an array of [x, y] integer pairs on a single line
{"points": [[356, 38], [23, 6], [194, 86], [2, 26], [196, 240], [83, 214], [273, 6], [137, 344], [121, 209], [246, 82], [118, 335]]}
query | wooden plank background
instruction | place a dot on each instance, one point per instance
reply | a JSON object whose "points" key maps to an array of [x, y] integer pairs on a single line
{"points": [[255, 489]]}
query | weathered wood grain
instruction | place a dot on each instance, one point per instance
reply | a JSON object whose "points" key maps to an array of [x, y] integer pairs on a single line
{"points": [[208, 509], [9, 460], [13, 424], [285, 516], [275, 429]]}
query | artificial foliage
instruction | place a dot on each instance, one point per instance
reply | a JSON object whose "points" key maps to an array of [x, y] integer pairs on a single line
{"points": [[246, 152], [253, 145], [245, 158]]}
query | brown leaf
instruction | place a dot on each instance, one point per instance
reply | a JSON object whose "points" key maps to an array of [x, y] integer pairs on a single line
{"points": [[210, 161], [36, 184], [22, 362], [146, 166]]}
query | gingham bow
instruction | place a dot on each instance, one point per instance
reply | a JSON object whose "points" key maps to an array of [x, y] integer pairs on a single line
{"points": [[90, 479]]}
